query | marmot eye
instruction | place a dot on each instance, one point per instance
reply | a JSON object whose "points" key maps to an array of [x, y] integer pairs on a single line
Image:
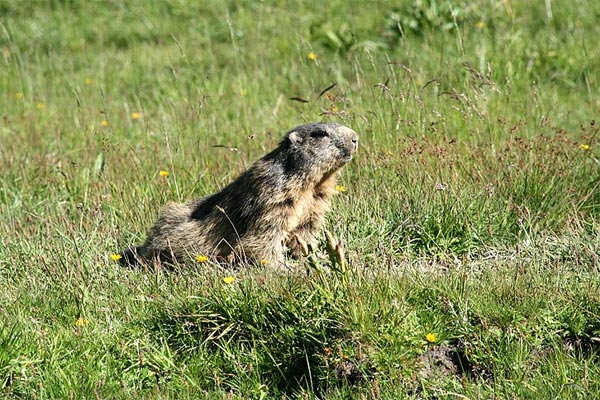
{"points": [[319, 133]]}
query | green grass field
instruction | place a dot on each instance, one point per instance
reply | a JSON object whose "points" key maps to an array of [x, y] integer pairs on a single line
{"points": [[470, 220]]}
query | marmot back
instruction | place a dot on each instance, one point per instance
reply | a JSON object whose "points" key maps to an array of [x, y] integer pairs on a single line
{"points": [[275, 205]]}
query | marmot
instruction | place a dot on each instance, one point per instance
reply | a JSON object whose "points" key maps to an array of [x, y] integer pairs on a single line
{"points": [[278, 204]]}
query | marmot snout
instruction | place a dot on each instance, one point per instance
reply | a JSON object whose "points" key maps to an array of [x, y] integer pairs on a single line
{"points": [[279, 202]]}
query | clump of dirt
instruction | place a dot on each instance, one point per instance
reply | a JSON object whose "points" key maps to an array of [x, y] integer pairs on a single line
{"points": [[349, 372], [449, 360]]}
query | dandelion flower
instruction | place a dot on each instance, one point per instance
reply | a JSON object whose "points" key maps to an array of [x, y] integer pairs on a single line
{"points": [[81, 321], [40, 106], [19, 96], [115, 257], [164, 173], [229, 279], [312, 56], [201, 258], [584, 146], [431, 338], [104, 123], [263, 261], [136, 115], [340, 188], [88, 81]]}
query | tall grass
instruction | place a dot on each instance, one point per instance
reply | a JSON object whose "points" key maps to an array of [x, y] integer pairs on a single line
{"points": [[471, 211]]}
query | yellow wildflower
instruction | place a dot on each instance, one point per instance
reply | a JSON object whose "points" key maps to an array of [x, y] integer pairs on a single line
{"points": [[480, 25], [81, 321], [136, 115], [584, 146], [40, 105], [104, 123], [19, 96], [88, 81], [115, 257], [263, 261], [164, 173], [431, 338], [340, 188], [312, 56], [229, 279], [201, 258]]}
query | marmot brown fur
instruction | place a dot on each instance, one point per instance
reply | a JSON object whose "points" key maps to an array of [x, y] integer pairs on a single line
{"points": [[277, 204]]}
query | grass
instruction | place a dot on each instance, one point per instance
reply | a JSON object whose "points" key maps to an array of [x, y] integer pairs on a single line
{"points": [[472, 210]]}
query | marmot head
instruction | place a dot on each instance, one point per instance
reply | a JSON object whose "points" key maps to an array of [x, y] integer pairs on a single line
{"points": [[321, 148]]}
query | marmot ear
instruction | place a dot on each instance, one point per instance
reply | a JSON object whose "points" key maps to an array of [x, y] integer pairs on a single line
{"points": [[295, 137]]}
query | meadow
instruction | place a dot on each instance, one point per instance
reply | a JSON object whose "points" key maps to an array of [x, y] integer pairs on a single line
{"points": [[469, 219]]}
